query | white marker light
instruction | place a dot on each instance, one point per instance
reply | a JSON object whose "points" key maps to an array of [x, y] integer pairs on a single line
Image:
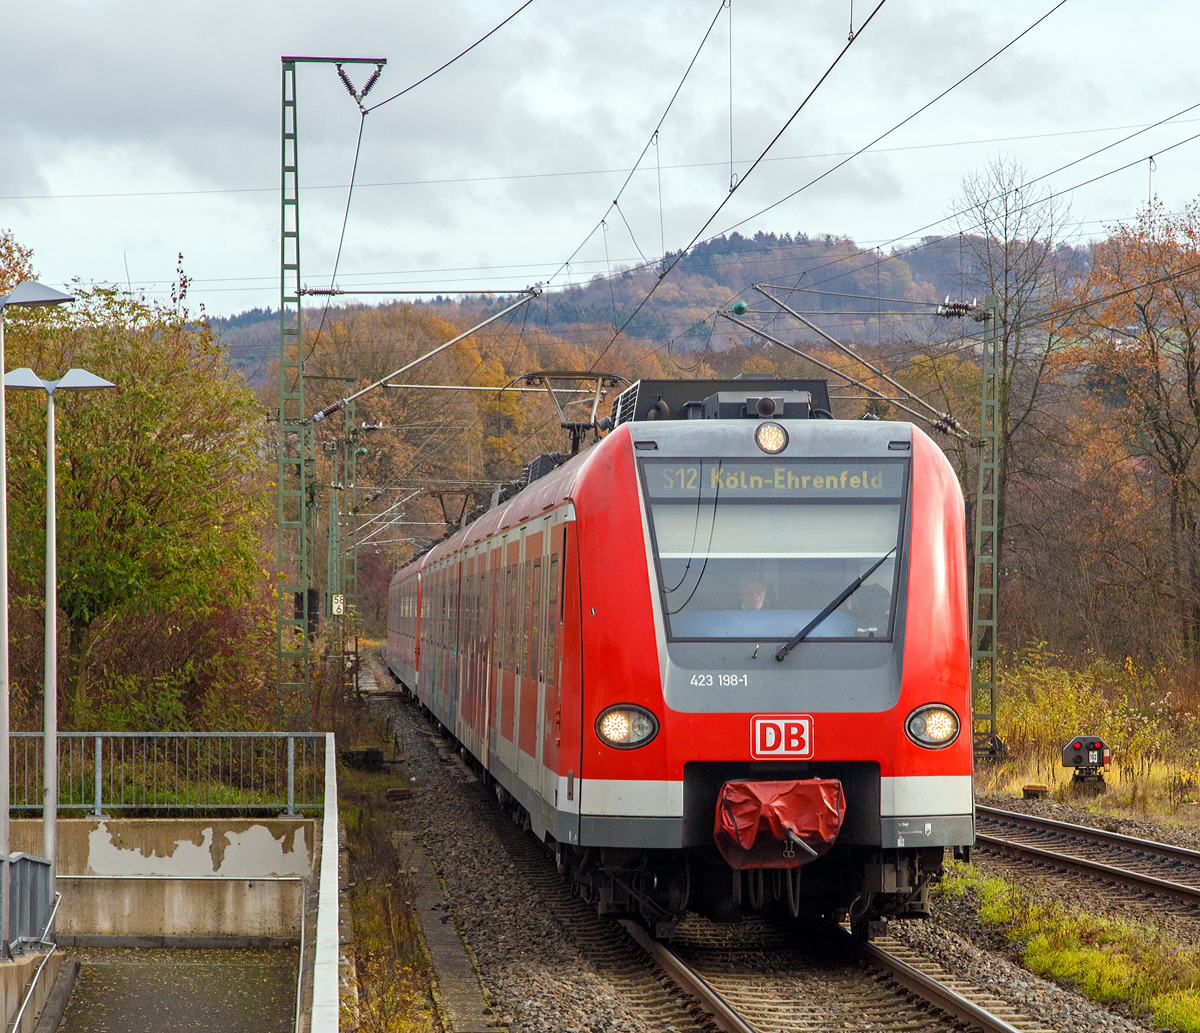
{"points": [[626, 727], [932, 726]]}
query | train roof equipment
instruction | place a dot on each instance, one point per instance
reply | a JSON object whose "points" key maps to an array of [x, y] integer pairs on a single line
{"points": [[745, 397]]}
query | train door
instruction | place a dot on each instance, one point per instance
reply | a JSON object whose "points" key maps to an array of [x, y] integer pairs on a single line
{"points": [[438, 656], [491, 652], [466, 652], [472, 677], [476, 673], [570, 685], [418, 626], [453, 623], [527, 700], [550, 711], [509, 627]]}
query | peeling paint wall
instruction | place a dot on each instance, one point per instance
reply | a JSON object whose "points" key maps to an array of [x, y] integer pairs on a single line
{"points": [[190, 877], [183, 847], [252, 852]]}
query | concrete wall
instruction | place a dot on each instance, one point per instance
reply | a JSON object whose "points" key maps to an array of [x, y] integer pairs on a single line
{"points": [[15, 977], [168, 880]]}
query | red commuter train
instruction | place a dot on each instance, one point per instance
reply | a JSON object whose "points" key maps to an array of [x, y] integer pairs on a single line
{"points": [[719, 659]]}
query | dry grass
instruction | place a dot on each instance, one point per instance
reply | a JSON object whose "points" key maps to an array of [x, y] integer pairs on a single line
{"points": [[1147, 715], [393, 969]]}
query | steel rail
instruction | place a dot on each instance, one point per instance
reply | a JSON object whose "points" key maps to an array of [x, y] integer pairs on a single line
{"points": [[1145, 846], [938, 994], [1138, 880], [691, 982]]}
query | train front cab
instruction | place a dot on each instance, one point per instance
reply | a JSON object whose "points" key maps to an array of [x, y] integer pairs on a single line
{"points": [[687, 517]]}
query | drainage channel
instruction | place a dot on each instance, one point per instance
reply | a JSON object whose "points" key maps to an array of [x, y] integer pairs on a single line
{"points": [[170, 989]]}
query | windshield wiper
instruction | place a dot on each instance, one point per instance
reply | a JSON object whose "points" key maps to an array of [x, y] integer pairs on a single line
{"points": [[847, 592]]}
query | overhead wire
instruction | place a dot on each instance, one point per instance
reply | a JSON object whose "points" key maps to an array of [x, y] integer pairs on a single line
{"points": [[342, 236], [734, 187], [1058, 314], [854, 381], [924, 107], [652, 139], [667, 269], [893, 257], [363, 113], [1046, 175], [858, 358], [442, 67], [450, 180]]}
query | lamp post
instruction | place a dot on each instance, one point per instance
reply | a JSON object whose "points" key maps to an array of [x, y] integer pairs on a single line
{"points": [[25, 379], [30, 292]]}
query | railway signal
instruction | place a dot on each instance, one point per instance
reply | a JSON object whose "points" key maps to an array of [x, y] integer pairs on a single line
{"points": [[1089, 758]]}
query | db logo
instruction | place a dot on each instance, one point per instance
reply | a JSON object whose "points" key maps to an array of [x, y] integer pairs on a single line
{"points": [[781, 735]]}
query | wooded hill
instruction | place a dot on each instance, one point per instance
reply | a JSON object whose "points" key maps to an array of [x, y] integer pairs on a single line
{"points": [[707, 278]]}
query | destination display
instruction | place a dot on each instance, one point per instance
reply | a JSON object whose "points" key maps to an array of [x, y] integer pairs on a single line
{"points": [[668, 479]]}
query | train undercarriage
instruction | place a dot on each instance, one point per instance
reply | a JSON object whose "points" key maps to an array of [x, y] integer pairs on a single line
{"points": [[660, 886], [865, 886]]}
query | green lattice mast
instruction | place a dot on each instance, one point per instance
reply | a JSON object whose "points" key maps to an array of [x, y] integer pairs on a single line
{"points": [[294, 444], [985, 599], [295, 470]]}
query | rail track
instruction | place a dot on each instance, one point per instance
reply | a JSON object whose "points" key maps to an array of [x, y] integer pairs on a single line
{"points": [[753, 977], [1141, 864], [890, 987]]}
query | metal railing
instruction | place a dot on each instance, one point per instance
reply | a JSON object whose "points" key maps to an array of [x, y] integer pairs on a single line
{"points": [[28, 898], [38, 944], [108, 772]]}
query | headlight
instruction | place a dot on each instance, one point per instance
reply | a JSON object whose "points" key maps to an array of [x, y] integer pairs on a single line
{"points": [[933, 726], [626, 727], [771, 437]]}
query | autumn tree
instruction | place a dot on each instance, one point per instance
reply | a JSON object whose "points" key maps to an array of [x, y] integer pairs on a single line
{"points": [[1011, 234], [1138, 342], [14, 262], [159, 481]]}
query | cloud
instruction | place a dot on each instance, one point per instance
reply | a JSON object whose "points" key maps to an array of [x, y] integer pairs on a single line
{"points": [[129, 96]]}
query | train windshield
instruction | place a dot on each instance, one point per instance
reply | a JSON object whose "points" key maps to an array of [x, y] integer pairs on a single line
{"points": [[754, 549]]}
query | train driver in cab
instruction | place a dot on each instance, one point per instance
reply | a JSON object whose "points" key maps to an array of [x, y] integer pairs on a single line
{"points": [[753, 593]]}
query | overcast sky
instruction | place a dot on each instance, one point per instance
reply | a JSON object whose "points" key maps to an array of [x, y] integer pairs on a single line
{"points": [[135, 129]]}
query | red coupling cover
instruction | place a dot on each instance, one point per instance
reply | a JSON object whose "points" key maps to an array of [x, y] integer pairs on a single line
{"points": [[778, 824]]}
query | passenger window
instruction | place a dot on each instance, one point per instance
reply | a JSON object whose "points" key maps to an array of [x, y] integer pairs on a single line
{"points": [[535, 655]]}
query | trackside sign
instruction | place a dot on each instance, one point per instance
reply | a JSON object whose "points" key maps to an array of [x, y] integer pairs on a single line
{"points": [[781, 735]]}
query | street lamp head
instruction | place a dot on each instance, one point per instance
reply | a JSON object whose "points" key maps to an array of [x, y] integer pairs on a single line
{"points": [[81, 380], [24, 379], [30, 292]]}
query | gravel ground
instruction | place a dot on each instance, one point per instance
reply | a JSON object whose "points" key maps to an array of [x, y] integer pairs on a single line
{"points": [[961, 944], [532, 967], [1176, 918]]}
